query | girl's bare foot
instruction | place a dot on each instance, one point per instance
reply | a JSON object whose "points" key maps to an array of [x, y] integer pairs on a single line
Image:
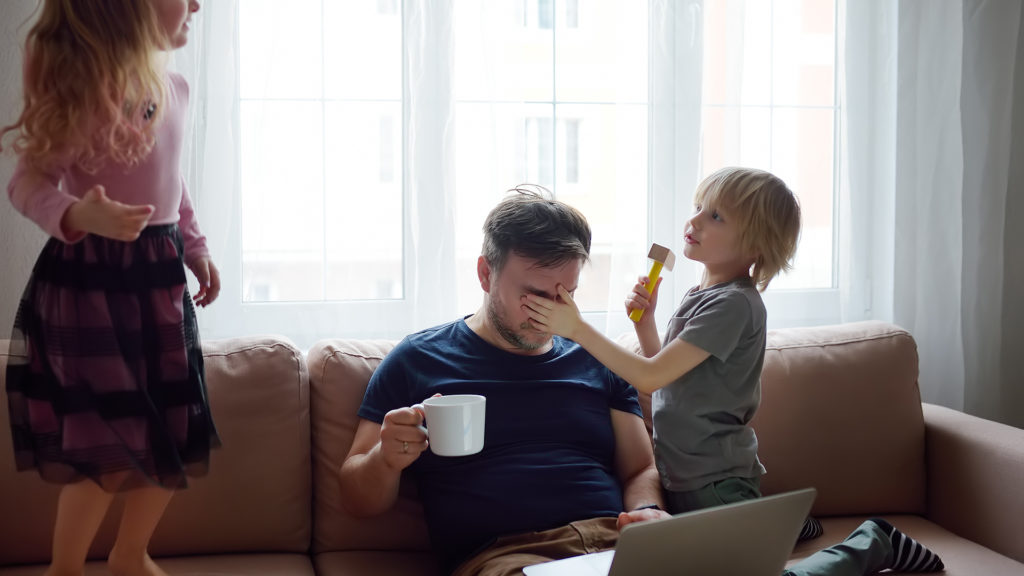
{"points": [[122, 564]]}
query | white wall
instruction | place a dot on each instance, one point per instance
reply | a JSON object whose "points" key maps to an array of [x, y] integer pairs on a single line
{"points": [[20, 239]]}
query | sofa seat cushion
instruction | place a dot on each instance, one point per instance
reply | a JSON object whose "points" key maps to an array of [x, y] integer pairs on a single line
{"points": [[221, 565], [962, 557], [376, 562]]}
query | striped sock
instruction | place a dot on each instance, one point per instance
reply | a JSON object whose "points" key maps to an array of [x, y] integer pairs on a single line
{"points": [[811, 529], [909, 555]]}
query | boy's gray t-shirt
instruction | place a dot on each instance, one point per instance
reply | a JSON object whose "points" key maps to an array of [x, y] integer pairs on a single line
{"points": [[701, 431]]}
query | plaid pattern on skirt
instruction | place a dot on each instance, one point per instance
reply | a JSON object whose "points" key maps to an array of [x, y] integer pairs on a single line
{"points": [[105, 378]]}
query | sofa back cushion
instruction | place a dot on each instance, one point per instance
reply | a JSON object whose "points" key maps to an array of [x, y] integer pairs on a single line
{"points": [[339, 371], [257, 494], [841, 411]]}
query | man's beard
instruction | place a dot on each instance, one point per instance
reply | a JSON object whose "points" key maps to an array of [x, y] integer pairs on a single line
{"points": [[510, 335]]}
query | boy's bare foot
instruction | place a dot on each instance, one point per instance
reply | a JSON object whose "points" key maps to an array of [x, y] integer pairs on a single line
{"points": [[121, 564]]}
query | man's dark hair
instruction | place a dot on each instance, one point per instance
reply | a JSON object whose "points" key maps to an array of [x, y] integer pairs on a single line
{"points": [[531, 224]]}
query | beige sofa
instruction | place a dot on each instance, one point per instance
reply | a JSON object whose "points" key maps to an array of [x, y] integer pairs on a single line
{"points": [[841, 411]]}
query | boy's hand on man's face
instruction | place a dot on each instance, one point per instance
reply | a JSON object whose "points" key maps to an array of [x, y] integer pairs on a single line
{"points": [[560, 317]]}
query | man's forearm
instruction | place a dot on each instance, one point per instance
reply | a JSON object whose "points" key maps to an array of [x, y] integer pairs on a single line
{"points": [[368, 485], [643, 489]]}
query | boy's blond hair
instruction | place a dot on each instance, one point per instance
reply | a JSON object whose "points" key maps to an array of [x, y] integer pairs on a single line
{"points": [[766, 211]]}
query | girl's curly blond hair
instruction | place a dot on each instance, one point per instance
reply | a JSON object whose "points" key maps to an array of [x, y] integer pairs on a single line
{"points": [[93, 84]]}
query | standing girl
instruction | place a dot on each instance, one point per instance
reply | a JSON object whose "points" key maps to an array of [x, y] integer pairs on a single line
{"points": [[109, 393], [705, 379]]}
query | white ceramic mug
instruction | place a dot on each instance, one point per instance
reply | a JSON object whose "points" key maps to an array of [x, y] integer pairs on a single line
{"points": [[454, 424]]}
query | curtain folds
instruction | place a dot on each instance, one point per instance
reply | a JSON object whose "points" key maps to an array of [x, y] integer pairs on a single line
{"points": [[211, 159], [932, 191], [992, 104], [430, 159], [929, 154], [674, 117]]}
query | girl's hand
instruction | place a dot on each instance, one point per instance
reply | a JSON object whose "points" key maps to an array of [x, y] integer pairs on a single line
{"points": [[209, 281], [561, 318], [96, 214], [639, 299]]}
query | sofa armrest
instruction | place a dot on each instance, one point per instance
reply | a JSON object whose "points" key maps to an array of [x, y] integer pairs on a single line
{"points": [[975, 470]]}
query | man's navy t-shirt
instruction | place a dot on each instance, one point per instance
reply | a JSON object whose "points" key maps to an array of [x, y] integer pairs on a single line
{"points": [[549, 447]]}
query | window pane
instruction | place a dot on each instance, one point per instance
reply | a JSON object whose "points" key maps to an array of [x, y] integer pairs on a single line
{"points": [[321, 150], [803, 157], [363, 209], [362, 56], [604, 57], [734, 136], [279, 50], [282, 247], [545, 14], [803, 53], [737, 53], [571, 152], [499, 58], [539, 161]]}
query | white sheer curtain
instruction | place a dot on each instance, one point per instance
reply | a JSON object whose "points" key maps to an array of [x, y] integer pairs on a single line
{"points": [[676, 60], [933, 183], [992, 109], [213, 170], [928, 208], [440, 219], [209, 63]]}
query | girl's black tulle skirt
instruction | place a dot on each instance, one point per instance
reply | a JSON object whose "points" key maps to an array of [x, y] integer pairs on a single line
{"points": [[105, 379]]}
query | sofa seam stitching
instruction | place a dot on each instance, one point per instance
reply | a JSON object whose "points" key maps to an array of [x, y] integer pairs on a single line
{"points": [[887, 335], [336, 352], [252, 347]]}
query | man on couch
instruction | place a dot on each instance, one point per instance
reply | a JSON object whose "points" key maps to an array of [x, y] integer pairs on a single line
{"points": [[567, 461], [556, 418]]}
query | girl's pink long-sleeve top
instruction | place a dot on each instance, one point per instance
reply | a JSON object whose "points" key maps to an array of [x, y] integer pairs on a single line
{"points": [[156, 180]]}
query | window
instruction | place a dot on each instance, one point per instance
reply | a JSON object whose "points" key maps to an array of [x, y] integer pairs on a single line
{"points": [[769, 101], [375, 137], [321, 113], [563, 104]]}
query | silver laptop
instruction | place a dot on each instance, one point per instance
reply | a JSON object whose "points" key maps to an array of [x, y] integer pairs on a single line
{"points": [[753, 538]]}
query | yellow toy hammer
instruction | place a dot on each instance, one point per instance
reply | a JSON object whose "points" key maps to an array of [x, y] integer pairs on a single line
{"points": [[663, 258]]}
